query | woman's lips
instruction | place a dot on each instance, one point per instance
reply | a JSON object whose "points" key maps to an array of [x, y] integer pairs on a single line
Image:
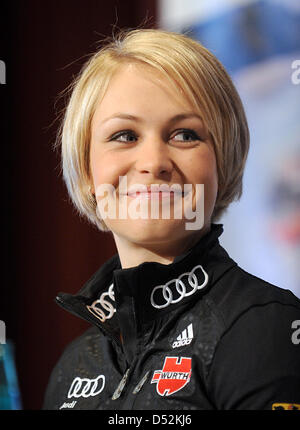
{"points": [[154, 191], [152, 194]]}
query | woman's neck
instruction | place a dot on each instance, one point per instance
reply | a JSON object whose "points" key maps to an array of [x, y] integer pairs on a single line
{"points": [[132, 254]]}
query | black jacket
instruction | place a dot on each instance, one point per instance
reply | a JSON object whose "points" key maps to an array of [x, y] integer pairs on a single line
{"points": [[199, 333]]}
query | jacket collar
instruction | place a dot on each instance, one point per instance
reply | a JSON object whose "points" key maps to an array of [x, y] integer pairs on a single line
{"points": [[131, 298]]}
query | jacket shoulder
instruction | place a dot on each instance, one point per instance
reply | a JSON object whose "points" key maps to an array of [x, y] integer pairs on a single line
{"points": [[255, 362], [87, 340], [239, 291]]}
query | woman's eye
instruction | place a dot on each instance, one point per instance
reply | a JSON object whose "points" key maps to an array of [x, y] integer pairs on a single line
{"points": [[128, 136], [124, 136], [186, 136]]}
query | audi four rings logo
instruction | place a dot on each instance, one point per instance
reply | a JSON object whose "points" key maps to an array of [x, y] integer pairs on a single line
{"points": [[105, 304], [100, 305], [84, 387], [178, 284]]}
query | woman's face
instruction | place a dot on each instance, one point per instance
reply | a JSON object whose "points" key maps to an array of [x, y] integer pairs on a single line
{"points": [[143, 132]]}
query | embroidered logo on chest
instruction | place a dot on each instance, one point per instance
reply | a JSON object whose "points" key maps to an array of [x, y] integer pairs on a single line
{"points": [[84, 387], [175, 374], [185, 338]]}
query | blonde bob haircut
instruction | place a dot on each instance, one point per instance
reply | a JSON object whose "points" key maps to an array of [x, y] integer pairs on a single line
{"points": [[195, 72]]}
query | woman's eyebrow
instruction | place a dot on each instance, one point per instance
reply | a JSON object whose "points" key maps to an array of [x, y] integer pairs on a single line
{"points": [[174, 119], [122, 116], [182, 116]]}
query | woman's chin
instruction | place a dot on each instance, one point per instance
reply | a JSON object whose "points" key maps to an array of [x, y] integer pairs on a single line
{"points": [[148, 230]]}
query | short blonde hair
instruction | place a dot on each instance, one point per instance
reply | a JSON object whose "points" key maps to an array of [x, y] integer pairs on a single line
{"points": [[196, 73]]}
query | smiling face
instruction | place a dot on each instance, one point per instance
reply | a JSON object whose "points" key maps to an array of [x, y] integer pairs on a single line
{"points": [[143, 131]]}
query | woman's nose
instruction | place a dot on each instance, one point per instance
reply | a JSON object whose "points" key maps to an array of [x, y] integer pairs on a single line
{"points": [[153, 157]]}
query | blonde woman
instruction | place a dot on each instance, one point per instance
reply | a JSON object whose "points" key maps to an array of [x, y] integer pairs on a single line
{"points": [[154, 143]]}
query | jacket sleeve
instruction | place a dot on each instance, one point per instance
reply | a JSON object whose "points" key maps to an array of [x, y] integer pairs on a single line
{"points": [[50, 394], [256, 365], [59, 380]]}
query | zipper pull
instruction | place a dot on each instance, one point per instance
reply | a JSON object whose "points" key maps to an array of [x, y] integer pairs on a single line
{"points": [[121, 386], [141, 383]]}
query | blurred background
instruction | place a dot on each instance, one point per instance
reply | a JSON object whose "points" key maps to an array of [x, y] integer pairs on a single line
{"points": [[46, 247]]}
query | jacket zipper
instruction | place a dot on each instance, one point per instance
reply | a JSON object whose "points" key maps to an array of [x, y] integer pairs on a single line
{"points": [[129, 391], [132, 390], [128, 388]]}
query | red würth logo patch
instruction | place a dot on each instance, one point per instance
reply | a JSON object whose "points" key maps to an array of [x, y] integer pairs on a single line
{"points": [[175, 374]]}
